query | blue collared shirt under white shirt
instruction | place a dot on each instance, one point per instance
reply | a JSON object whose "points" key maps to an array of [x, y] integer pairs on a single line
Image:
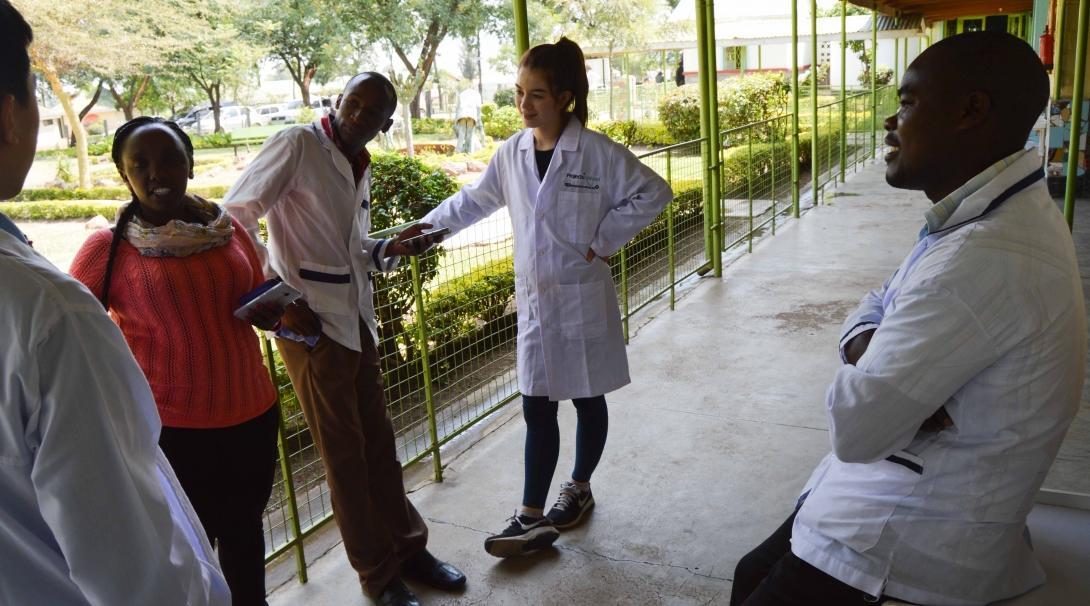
{"points": [[985, 317]]}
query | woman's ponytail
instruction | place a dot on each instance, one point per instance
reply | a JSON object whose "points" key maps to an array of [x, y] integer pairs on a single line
{"points": [[566, 69]]}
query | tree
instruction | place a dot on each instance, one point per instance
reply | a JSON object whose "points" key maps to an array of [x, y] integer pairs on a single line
{"points": [[305, 34], [114, 37], [216, 57], [614, 24], [418, 27]]}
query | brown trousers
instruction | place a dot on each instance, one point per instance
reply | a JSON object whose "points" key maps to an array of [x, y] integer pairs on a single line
{"points": [[340, 391]]}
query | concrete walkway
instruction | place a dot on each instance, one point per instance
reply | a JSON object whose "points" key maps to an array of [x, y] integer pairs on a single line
{"points": [[709, 446]]}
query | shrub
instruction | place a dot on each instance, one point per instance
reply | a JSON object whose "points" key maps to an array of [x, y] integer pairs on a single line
{"points": [[469, 308], [64, 171], [402, 189], [504, 97], [306, 115], [211, 140], [433, 126], [501, 122], [630, 132], [883, 76], [749, 98], [214, 192], [59, 211]]}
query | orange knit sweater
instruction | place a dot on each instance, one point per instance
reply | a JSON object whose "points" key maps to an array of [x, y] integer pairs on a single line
{"points": [[204, 365]]}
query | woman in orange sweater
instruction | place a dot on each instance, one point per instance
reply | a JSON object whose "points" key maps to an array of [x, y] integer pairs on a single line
{"points": [[171, 273]]}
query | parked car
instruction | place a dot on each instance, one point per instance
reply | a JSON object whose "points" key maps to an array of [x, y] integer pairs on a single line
{"points": [[289, 113], [264, 115], [231, 118]]}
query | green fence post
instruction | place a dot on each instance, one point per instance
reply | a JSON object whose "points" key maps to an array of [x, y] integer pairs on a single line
{"points": [[718, 238], [774, 211], [522, 30], [671, 243], [1076, 112], [795, 108], [749, 181], [624, 289], [422, 345], [296, 540], [843, 87], [706, 105], [815, 153], [874, 83]]}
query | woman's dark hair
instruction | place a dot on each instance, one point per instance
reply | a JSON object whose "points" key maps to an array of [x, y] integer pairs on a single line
{"points": [[15, 36], [566, 70], [121, 137]]}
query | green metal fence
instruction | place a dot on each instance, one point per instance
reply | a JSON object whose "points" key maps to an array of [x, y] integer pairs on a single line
{"points": [[447, 319]]}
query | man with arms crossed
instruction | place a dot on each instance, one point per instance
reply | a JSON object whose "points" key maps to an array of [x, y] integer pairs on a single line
{"points": [[90, 511], [961, 374]]}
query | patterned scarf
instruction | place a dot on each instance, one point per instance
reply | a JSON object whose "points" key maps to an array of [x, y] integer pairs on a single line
{"points": [[180, 238]]}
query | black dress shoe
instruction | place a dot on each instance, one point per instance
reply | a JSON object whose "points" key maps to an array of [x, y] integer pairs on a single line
{"points": [[425, 568], [397, 594]]}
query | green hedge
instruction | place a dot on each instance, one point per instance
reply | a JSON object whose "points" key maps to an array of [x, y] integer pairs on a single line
{"points": [[459, 309], [433, 126], [214, 192], [630, 132], [59, 211], [500, 122], [744, 100]]}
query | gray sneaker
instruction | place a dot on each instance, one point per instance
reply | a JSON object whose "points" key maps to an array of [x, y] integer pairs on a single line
{"points": [[571, 506]]}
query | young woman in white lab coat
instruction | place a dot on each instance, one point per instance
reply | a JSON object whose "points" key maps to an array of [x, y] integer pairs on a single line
{"points": [[575, 197]]}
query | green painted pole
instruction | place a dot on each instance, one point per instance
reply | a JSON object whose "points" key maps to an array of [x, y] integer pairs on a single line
{"points": [[422, 346], [671, 243], [522, 30], [749, 182], [795, 108], [874, 83], [815, 155], [760, 62], [905, 62], [713, 131], [1057, 62], [286, 473], [897, 59], [706, 104], [1077, 96], [624, 290], [843, 87], [775, 136]]}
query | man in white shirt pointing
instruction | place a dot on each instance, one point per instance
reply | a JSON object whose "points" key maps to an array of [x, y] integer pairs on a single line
{"points": [[961, 374], [90, 511]]}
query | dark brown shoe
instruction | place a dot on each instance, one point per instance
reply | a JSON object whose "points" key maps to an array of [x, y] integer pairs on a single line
{"points": [[397, 594]]}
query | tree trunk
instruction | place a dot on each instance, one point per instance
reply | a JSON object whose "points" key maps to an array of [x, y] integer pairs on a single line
{"points": [[408, 131], [215, 98], [480, 72], [86, 110], [54, 80], [304, 86]]}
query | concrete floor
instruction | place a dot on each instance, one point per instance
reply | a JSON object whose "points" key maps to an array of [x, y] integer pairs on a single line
{"points": [[708, 447]]}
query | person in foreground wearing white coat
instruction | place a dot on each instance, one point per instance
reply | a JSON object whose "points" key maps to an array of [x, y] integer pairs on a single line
{"points": [[961, 374], [575, 198], [90, 510]]}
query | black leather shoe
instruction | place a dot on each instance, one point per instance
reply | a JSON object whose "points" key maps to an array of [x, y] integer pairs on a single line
{"points": [[397, 594], [425, 568]]}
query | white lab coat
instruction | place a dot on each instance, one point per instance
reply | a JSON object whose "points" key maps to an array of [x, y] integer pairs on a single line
{"points": [[90, 510], [318, 218], [595, 194], [985, 317]]}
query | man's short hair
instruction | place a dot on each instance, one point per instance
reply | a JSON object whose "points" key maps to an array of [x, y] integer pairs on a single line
{"points": [[15, 37]]}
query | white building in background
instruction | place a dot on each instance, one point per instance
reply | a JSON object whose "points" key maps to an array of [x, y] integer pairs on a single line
{"points": [[756, 37]]}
